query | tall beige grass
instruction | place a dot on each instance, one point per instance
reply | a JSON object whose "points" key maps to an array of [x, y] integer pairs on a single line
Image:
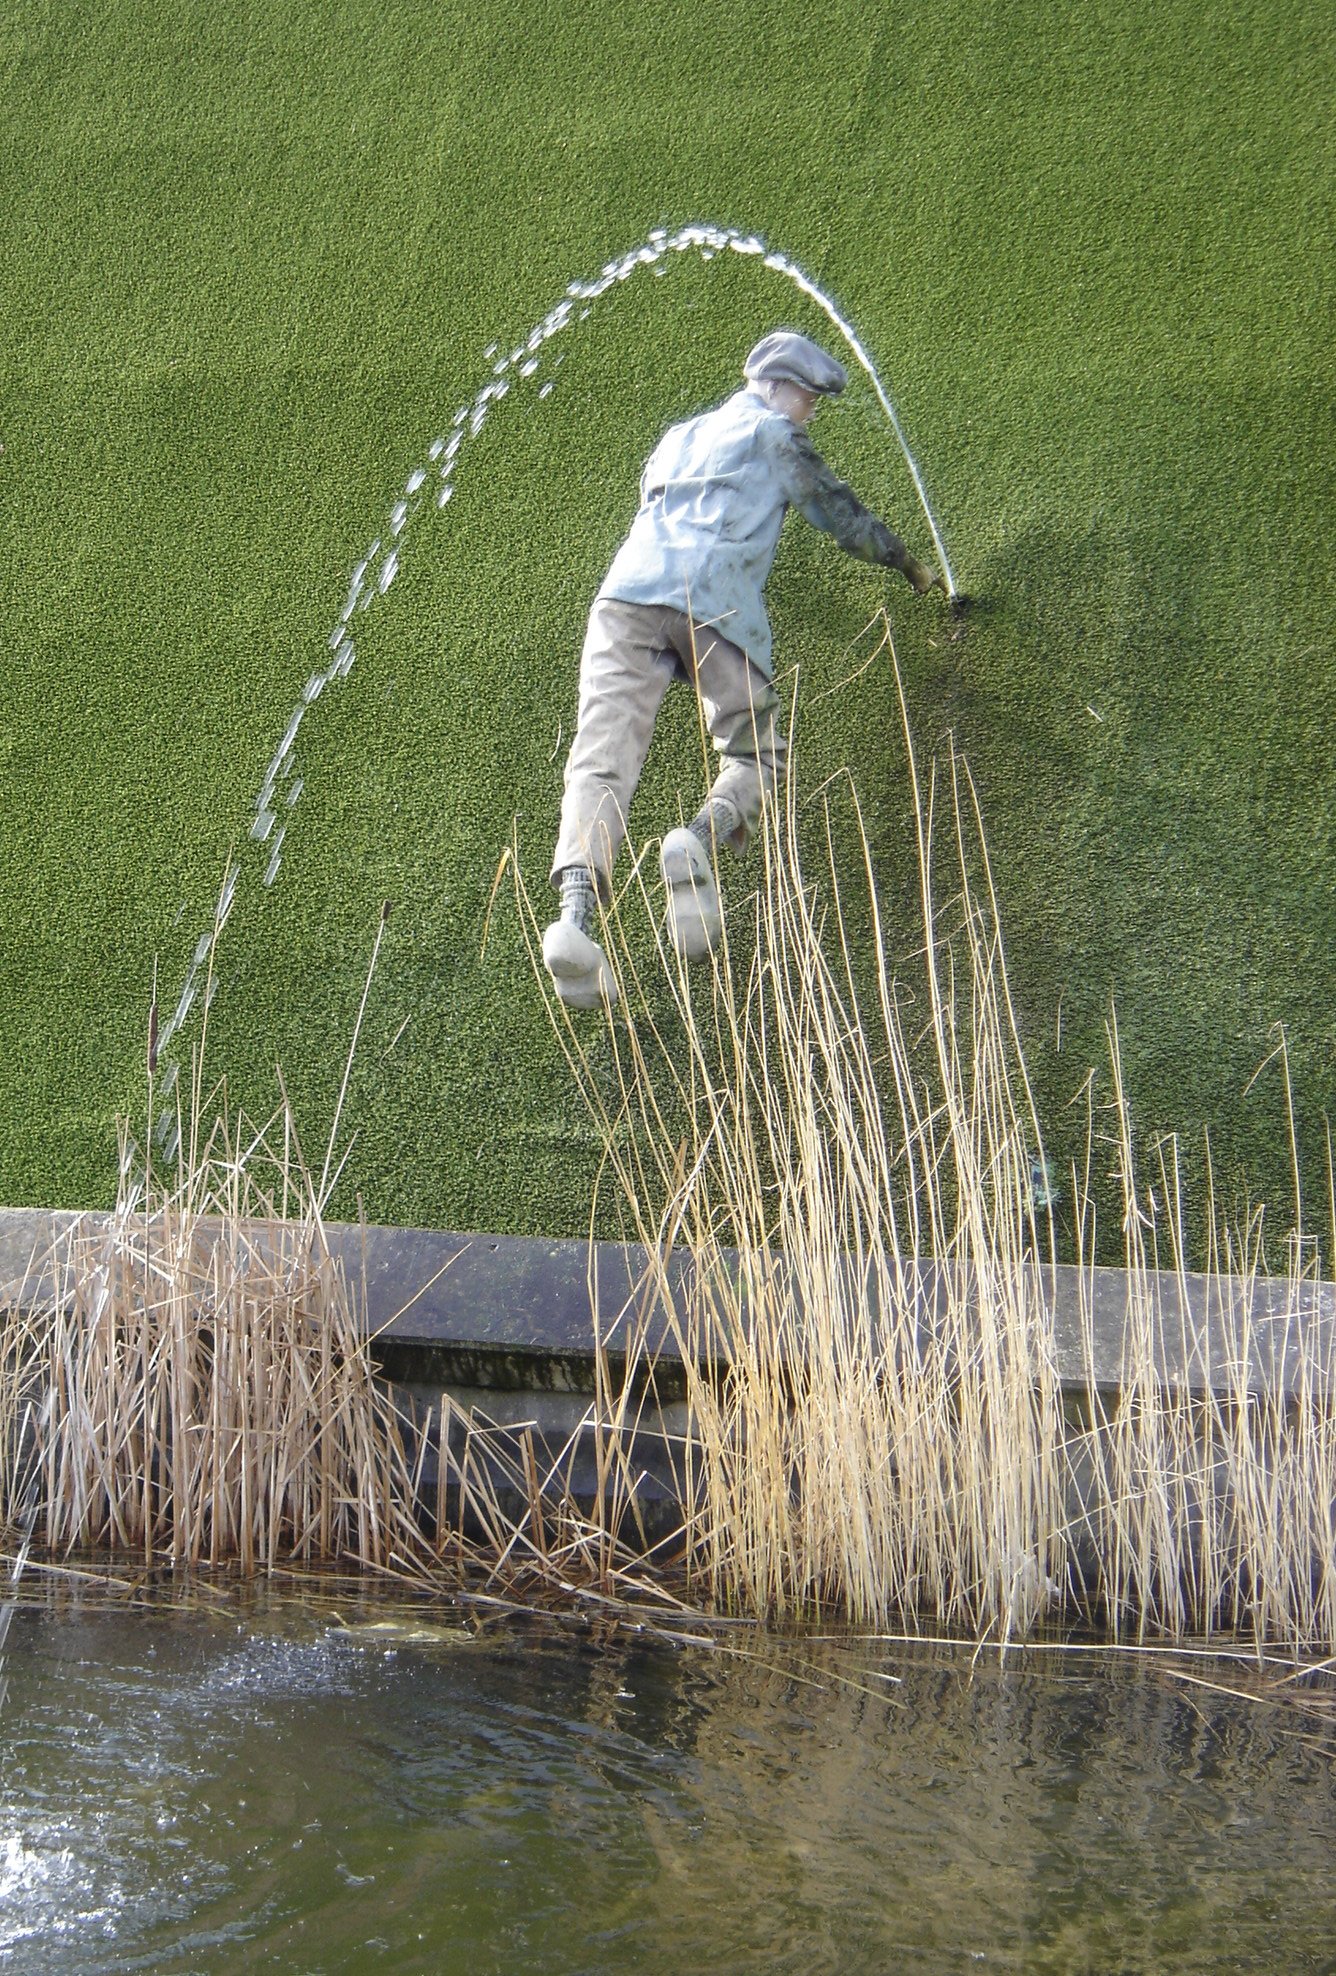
{"points": [[844, 1154], [191, 1379], [1208, 1469], [212, 1394]]}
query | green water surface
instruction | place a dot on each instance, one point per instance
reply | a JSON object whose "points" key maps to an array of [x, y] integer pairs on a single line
{"points": [[228, 1791]]}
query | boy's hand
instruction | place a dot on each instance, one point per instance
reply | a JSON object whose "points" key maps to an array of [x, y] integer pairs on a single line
{"points": [[922, 578]]}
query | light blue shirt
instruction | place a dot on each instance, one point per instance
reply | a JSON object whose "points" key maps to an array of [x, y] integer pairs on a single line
{"points": [[713, 498]]}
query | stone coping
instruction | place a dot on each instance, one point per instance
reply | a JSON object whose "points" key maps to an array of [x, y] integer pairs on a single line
{"points": [[515, 1312]]}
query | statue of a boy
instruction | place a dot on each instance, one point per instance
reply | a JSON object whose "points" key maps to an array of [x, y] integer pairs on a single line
{"points": [[684, 598]]}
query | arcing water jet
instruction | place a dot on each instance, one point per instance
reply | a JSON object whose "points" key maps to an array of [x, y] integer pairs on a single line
{"points": [[375, 572]]}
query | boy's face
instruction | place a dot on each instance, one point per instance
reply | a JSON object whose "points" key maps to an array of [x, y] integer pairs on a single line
{"points": [[794, 400], [806, 403]]}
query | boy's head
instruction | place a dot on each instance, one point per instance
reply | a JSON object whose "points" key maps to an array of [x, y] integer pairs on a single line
{"points": [[793, 374]]}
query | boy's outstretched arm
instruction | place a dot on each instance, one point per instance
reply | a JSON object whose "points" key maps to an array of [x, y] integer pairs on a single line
{"points": [[829, 503]]}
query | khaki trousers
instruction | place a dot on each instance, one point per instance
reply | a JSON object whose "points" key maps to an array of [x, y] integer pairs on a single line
{"points": [[632, 653]]}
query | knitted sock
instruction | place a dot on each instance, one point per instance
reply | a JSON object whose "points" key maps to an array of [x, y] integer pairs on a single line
{"points": [[578, 897], [716, 822]]}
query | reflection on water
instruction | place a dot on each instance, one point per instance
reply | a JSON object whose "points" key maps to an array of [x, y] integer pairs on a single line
{"points": [[209, 1792]]}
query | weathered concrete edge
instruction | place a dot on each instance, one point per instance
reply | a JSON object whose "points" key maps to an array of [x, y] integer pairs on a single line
{"points": [[515, 1312]]}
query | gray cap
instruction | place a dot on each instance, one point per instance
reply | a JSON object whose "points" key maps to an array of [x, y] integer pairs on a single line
{"points": [[786, 354]]}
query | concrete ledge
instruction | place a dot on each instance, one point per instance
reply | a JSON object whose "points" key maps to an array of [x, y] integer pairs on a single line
{"points": [[505, 1326], [513, 1313]]}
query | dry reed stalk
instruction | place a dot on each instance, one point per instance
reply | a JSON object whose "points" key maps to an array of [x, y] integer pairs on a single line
{"points": [[877, 1423], [553, 1542]]}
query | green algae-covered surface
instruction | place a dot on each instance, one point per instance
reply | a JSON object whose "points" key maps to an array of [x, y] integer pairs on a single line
{"points": [[250, 264]]}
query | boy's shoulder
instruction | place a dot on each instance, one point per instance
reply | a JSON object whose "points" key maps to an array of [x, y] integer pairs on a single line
{"points": [[726, 438], [745, 417]]}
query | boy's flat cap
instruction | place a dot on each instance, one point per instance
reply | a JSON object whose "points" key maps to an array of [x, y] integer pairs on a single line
{"points": [[786, 354]]}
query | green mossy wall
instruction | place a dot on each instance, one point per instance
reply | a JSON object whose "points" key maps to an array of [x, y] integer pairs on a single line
{"points": [[250, 260]]}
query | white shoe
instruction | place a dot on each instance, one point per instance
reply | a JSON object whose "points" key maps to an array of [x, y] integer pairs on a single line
{"points": [[578, 966], [695, 917]]}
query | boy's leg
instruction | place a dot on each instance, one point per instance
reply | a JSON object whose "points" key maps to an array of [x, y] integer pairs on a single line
{"points": [[625, 670], [741, 709]]}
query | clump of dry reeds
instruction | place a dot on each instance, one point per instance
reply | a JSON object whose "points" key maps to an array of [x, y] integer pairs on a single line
{"points": [[189, 1378], [1207, 1465], [869, 1434], [212, 1394], [880, 1426]]}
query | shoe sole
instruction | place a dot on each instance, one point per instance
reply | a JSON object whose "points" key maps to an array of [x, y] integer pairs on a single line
{"points": [[695, 917], [576, 996], [581, 983]]}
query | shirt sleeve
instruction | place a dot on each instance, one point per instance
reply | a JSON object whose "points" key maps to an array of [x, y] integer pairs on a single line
{"points": [[829, 503]]}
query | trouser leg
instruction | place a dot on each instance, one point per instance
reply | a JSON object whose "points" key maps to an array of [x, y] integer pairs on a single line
{"points": [[625, 670], [742, 710]]}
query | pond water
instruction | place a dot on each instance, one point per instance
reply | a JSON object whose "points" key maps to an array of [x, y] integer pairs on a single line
{"points": [[258, 1787]]}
